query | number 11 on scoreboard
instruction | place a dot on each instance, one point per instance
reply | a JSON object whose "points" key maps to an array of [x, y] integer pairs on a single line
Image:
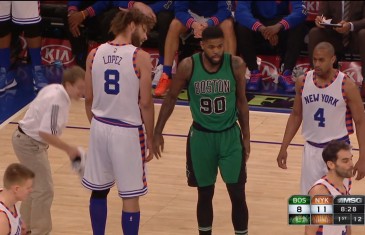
{"points": [[299, 210]]}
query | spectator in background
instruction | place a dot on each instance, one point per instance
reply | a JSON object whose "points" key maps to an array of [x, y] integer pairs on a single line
{"points": [[348, 38], [88, 19], [26, 15], [195, 16], [279, 23], [162, 12]]}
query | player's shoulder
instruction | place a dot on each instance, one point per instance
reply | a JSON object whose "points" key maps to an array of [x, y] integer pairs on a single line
{"points": [[140, 53], [4, 222], [318, 189]]}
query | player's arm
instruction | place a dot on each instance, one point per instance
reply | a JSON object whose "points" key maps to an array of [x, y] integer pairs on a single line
{"points": [[239, 69], [315, 190], [183, 74], [89, 85], [293, 124], [4, 224], [143, 63], [356, 106]]}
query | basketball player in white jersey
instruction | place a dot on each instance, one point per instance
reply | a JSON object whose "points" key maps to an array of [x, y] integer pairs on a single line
{"points": [[118, 101], [327, 102], [24, 14], [338, 158], [18, 182]]}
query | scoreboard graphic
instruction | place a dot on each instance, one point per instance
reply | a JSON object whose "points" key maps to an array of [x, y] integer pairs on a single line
{"points": [[326, 210]]}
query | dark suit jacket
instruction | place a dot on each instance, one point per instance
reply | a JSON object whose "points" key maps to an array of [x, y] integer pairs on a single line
{"points": [[333, 10]]}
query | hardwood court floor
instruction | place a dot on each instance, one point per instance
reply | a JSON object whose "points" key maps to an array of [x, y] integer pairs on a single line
{"points": [[169, 207]]}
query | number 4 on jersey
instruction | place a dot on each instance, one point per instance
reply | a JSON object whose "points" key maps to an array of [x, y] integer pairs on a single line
{"points": [[319, 116]]}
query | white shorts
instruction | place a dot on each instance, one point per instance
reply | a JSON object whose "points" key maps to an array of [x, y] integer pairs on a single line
{"points": [[22, 12], [116, 155], [313, 167]]}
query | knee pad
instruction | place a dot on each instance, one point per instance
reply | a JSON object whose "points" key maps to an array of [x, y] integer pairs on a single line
{"points": [[100, 194], [32, 30], [5, 27]]}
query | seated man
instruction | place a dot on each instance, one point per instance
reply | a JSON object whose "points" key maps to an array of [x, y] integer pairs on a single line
{"points": [[195, 16], [90, 15], [163, 13], [349, 37], [273, 22]]}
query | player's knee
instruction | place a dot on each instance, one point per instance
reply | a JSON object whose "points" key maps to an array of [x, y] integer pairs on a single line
{"points": [[237, 192], [100, 194], [5, 27], [32, 30], [206, 193]]}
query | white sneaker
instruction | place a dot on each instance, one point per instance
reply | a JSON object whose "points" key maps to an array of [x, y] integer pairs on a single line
{"points": [[158, 73]]}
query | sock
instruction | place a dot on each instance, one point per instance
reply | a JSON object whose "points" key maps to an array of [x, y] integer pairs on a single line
{"points": [[35, 55], [5, 58], [98, 213], [205, 231], [130, 222], [168, 70], [161, 59]]}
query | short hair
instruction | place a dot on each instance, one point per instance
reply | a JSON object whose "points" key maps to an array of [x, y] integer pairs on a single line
{"points": [[124, 17], [325, 46], [212, 32], [331, 150], [16, 173], [73, 74]]}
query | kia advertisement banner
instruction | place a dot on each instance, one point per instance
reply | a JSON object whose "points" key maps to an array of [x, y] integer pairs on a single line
{"points": [[57, 49]]}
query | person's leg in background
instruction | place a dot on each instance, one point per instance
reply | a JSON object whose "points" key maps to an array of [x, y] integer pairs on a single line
{"points": [[291, 42], [361, 45], [7, 80], [31, 25], [171, 46], [164, 19], [230, 42], [246, 49]]}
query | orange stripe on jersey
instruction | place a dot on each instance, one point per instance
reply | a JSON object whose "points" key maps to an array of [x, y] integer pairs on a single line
{"points": [[135, 64], [302, 83], [349, 123], [143, 154]]}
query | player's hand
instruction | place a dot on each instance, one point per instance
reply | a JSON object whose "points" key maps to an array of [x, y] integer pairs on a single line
{"points": [[359, 168], [73, 152], [158, 145], [246, 144], [198, 29], [271, 30], [145, 9], [274, 40], [281, 159], [346, 27], [319, 20], [151, 151], [75, 19]]}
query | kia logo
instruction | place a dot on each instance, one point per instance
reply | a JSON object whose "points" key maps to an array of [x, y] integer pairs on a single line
{"points": [[50, 53], [268, 70], [354, 73], [312, 7]]}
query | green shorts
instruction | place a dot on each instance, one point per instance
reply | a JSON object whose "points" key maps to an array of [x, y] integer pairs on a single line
{"points": [[208, 151]]}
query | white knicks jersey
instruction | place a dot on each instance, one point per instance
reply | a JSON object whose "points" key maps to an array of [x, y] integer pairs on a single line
{"points": [[14, 222], [325, 112], [333, 229], [116, 84]]}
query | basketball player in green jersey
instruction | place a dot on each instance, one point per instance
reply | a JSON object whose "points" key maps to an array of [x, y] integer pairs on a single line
{"points": [[216, 88]]}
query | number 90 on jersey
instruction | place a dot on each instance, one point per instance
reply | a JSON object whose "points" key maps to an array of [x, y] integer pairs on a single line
{"points": [[299, 208]]}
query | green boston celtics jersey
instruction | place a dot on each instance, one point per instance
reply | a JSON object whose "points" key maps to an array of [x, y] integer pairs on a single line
{"points": [[212, 96]]}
